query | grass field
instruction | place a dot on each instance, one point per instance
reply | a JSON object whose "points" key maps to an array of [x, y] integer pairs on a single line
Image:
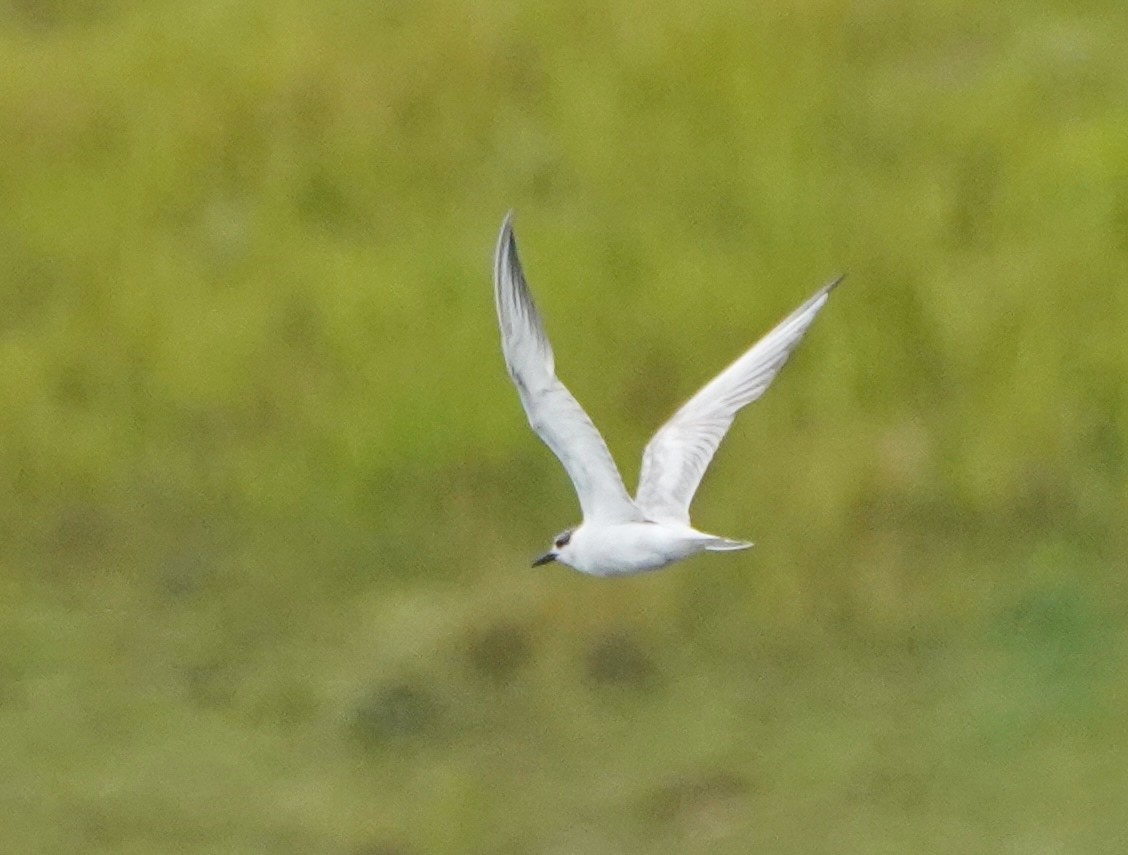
{"points": [[270, 499]]}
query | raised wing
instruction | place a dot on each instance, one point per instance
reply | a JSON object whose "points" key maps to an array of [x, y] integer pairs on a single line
{"points": [[679, 453], [553, 413]]}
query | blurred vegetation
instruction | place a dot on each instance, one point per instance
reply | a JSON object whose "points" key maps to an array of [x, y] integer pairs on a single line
{"points": [[270, 496]]}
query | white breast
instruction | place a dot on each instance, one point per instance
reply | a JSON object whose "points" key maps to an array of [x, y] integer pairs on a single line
{"points": [[627, 548]]}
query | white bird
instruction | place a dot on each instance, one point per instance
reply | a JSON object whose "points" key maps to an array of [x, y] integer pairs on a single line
{"points": [[620, 536]]}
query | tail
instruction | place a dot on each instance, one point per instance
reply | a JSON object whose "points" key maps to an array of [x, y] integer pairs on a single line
{"points": [[723, 544]]}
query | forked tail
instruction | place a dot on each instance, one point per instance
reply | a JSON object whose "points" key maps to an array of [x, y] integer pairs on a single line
{"points": [[723, 544]]}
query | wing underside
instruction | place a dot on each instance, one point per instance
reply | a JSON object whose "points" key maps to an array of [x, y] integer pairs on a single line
{"points": [[679, 453], [553, 413]]}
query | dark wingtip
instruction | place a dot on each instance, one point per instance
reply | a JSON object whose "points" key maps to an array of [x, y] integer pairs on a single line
{"points": [[833, 283], [506, 233], [506, 243]]}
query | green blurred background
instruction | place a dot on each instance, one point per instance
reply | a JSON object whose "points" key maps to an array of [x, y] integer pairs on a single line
{"points": [[269, 497]]}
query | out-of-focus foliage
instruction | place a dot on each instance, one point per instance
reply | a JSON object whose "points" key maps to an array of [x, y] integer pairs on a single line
{"points": [[269, 496]]}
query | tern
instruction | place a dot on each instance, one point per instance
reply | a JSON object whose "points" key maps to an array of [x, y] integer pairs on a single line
{"points": [[621, 536]]}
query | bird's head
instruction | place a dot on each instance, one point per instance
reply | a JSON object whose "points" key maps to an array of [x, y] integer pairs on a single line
{"points": [[561, 547]]}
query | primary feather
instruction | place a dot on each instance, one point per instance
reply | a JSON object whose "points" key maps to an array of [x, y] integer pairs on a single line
{"points": [[679, 453], [555, 416]]}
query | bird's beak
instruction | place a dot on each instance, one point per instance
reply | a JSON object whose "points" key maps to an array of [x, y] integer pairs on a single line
{"points": [[547, 558]]}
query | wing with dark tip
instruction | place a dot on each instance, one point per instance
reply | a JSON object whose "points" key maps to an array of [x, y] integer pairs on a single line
{"points": [[679, 453], [553, 413]]}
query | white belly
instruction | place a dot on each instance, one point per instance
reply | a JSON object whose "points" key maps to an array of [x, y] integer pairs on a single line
{"points": [[628, 548]]}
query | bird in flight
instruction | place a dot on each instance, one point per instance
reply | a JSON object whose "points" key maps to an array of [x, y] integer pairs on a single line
{"points": [[621, 536]]}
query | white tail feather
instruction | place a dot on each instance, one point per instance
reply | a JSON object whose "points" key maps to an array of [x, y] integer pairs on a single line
{"points": [[723, 544]]}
